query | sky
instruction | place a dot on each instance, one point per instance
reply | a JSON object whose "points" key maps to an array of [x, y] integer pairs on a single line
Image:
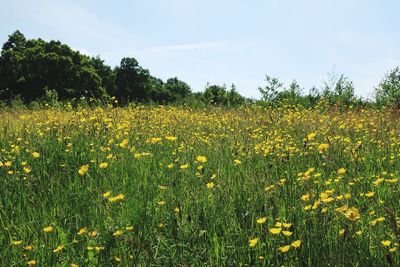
{"points": [[224, 42]]}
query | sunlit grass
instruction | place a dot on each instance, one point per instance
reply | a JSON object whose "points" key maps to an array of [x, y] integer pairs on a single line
{"points": [[173, 186]]}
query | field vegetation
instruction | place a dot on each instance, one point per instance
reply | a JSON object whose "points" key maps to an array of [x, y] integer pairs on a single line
{"points": [[162, 185]]}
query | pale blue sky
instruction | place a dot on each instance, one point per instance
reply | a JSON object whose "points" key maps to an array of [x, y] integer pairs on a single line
{"points": [[224, 41]]}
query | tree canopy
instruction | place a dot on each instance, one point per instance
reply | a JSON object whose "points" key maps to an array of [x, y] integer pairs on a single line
{"points": [[31, 68]]}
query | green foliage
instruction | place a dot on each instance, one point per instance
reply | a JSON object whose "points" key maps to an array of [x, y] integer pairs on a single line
{"points": [[291, 95], [50, 97], [388, 91], [176, 89], [106, 73], [30, 66], [215, 95], [339, 89], [17, 103], [271, 89], [234, 98], [132, 81]]}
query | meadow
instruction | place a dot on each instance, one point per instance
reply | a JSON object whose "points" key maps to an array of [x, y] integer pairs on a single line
{"points": [[172, 186]]}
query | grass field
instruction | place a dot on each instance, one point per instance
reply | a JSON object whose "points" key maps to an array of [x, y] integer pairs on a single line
{"points": [[168, 186]]}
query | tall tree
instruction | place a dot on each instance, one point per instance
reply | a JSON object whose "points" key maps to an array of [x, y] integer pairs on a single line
{"points": [[234, 98], [132, 81], [106, 73], [11, 55], [29, 67], [216, 95], [176, 89]]}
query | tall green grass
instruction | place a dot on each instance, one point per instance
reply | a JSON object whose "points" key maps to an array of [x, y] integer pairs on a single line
{"points": [[198, 215]]}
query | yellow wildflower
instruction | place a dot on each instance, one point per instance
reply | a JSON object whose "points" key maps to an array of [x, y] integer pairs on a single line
{"points": [[48, 229], [237, 162], [284, 249], [107, 194], [253, 242], [118, 197], [82, 231], [322, 148], [305, 197], [83, 169], [117, 233], [341, 232], [92, 234], [103, 165], [287, 233], [311, 136], [201, 159], [171, 138], [16, 243], [352, 214], [32, 262], [296, 244], [369, 194], [275, 231], [58, 249], [124, 143], [261, 220], [184, 166]]}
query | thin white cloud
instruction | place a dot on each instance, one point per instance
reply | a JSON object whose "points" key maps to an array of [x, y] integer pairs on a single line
{"points": [[76, 23], [187, 47]]}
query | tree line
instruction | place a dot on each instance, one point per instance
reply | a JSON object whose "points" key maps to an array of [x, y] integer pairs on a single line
{"points": [[34, 70]]}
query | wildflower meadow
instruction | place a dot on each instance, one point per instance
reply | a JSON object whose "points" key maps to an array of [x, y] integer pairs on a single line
{"points": [[175, 186]]}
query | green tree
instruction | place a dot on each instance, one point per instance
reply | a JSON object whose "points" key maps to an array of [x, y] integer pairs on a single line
{"points": [[215, 95], [176, 89], [234, 98], [313, 96], [106, 74], [132, 81], [338, 89], [388, 90], [291, 95], [29, 66], [157, 90], [271, 89], [11, 54]]}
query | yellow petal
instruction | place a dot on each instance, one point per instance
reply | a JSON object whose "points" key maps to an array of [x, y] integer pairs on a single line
{"points": [[275, 231], [296, 244], [284, 249], [262, 220]]}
